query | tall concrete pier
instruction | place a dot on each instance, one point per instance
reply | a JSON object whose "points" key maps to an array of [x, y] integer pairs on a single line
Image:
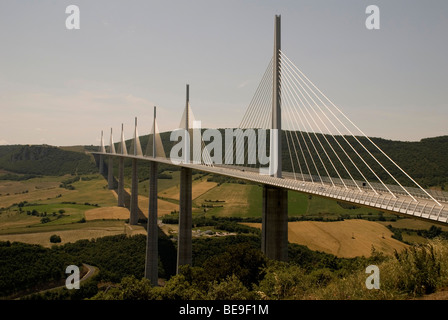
{"points": [[120, 190], [134, 194], [274, 241], [110, 166], [101, 164], [110, 173], [276, 125], [136, 151], [185, 201], [152, 253], [121, 150]]}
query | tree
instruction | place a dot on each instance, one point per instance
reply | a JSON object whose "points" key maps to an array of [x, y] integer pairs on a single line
{"points": [[230, 289], [241, 260], [45, 220], [55, 239]]}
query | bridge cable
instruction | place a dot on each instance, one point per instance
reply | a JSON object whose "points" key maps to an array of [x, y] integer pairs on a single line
{"points": [[353, 147], [328, 142], [294, 146], [256, 107], [369, 141], [312, 118], [360, 172], [307, 147], [288, 94], [329, 131], [290, 156]]}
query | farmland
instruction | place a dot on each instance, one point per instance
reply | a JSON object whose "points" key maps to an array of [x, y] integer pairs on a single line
{"points": [[350, 238], [84, 208], [83, 213]]}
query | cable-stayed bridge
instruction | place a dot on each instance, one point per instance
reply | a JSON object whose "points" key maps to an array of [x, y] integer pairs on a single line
{"points": [[292, 137]]}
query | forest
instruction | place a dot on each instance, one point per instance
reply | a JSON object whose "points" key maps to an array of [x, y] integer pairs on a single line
{"points": [[24, 266], [230, 267], [44, 160]]}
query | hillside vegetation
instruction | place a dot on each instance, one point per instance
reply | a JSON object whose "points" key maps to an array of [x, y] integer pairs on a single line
{"points": [[425, 160], [226, 268], [44, 160]]}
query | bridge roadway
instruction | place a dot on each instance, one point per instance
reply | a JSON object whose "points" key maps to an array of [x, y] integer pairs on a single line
{"points": [[422, 208]]}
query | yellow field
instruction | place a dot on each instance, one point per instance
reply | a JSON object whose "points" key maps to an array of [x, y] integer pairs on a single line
{"points": [[43, 238], [47, 189], [163, 207], [107, 213], [93, 191], [349, 238], [15, 191], [13, 220], [413, 224], [236, 197], [198, 188]]}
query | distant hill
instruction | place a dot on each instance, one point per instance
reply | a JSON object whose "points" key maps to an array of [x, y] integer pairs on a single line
{"points": [[426, 160], [44, 160]]}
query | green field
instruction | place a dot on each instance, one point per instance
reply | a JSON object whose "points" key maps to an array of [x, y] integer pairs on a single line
{"points": [[63, 209], [93, 191], [245, 200], [49, 207]]}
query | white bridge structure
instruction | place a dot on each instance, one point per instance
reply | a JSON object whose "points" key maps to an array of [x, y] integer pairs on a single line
{"points": [[329, 156]]}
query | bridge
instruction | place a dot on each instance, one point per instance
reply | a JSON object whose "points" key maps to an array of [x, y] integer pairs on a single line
{"points": [[329, 156]]}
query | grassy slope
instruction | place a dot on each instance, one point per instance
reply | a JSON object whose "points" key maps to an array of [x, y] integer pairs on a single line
{"points": [[45, 160], [54, 199]]}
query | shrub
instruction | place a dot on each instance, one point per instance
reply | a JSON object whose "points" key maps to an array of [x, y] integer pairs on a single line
{"points": [[283, 281], [45, 220], [230, 289], [55, 238], [420, 269]]}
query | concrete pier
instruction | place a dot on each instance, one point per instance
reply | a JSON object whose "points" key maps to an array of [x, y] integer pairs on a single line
{"points": [[102, 149], [152, 240], [152, 253], [110, 165], [133, 220], [274, 241], [185, 199], [185, 218], [101, 164], [110, 173], [120, 191]]}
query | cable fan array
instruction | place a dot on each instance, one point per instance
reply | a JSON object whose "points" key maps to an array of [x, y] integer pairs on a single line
{"points": [[321, 143]]}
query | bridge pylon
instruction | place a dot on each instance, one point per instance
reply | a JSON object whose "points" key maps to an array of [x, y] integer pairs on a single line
{"points": [[101, 159], [274, 242], [110, 167], [136, 151], [121, 150], [184, 247], [152, 253]]}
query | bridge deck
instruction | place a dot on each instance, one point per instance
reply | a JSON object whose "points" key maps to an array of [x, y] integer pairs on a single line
{"points": [[423, 208]]}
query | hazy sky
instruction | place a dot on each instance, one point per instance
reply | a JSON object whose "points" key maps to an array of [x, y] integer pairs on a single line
{"points": [[62, 87]]}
